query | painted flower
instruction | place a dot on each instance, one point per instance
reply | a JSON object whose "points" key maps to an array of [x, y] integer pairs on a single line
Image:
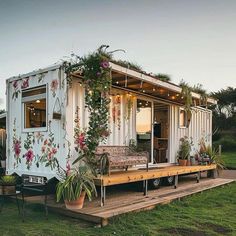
{"points": [[68, 168], [98, 74], [105, 64], [25, 83], [54, 151], [43, 149], [54, 87], [17, 148], [15, 84], [45, 142], [29, 155]]}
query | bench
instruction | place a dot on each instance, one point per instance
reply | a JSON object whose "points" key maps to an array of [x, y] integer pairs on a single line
{"points": [[122, 157]]}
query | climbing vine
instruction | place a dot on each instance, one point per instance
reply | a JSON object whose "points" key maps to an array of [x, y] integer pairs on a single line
{"points": [[96, 78]]}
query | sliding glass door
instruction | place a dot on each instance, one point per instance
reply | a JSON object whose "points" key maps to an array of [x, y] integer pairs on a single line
{"points": [[144, 126]]}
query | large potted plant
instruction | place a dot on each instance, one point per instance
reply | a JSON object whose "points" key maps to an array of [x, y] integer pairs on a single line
{"points": [[75, 185], [8, 184], [183, 153]]}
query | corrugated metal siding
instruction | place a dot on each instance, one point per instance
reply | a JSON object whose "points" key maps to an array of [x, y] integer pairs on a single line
{"points": [[120, 133], [200, 127], [15, 112]]}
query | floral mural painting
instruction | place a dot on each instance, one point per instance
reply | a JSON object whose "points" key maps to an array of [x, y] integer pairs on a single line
{"points": [[49, 151], [54, 87], [39, 137], [16, 89], [29, 155], [25, 83], [129, 106], [16, 145]]}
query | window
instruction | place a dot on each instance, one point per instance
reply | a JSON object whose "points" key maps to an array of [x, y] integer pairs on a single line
{"points": [[35, 108], [182, 118]]}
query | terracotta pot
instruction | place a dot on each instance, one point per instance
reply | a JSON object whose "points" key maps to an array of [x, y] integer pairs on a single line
{"points": [[8, 189], [188, 163], [182, 162], [76, 204]]}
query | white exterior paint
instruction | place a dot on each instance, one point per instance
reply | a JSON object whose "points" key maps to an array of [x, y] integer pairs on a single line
{"points": [[73, 97]]}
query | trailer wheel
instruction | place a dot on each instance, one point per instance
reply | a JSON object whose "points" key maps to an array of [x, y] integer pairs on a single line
{"points": [[169, 180], [155, 183]]}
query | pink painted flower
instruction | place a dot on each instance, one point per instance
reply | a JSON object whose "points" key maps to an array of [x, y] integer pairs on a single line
{"points": [[43, 149], [54, 150], [54, 85], [17, 148], [25, 83], [15, 84], [105, 64], [82, 140], [29, 155], [45, 142], [68, 168]]}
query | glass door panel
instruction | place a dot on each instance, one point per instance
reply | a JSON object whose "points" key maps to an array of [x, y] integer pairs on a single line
{"points": [[144, 126]]}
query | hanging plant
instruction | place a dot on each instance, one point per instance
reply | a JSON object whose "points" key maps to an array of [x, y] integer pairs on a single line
{"points": [[129, 106], [97, 83], [186, 93]]}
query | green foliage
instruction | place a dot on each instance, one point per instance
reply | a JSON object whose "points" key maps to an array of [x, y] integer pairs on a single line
{"points": [[203, 93], [186, 93], [130, 65], [184, 148], [78, 180], [8, 180], [229, 159], [97, 83], [228, 143], [199, 214], [163, 77]]}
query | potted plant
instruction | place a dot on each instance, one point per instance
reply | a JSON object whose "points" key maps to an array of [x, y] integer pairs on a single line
{"points": [[3, 156], [75, 185], [183, 154], [8, 184]]}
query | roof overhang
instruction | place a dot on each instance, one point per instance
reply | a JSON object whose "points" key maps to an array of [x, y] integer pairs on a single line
{"points": [[145, 84]]}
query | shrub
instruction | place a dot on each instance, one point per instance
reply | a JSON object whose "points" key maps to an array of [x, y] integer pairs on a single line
{"points": [[228, 143]]}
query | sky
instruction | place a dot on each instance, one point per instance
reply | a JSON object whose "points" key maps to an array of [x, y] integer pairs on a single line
{"points": [[187, 39]]}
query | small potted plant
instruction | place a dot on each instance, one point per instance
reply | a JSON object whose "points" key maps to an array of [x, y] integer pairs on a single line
{"points": [[183, 154], [3, 156], [8, 184], [74, 186]]}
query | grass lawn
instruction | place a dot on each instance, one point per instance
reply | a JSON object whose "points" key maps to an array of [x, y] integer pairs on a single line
{"points": [[229, 159], [210, 213]]}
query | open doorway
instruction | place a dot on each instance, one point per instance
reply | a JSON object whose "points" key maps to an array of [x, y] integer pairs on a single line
{"points": [[160, 133]]}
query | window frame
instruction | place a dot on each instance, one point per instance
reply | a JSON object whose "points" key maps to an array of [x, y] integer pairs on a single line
{"points": [[185, 119], [33, 98]]}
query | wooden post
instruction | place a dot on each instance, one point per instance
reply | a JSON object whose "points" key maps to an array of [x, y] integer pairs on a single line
{"points": [[198, 176], [220, 150], [176, 181], [145, 185]]}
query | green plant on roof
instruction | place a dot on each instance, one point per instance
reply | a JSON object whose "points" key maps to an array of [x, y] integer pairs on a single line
{"points": [[163, 77]]}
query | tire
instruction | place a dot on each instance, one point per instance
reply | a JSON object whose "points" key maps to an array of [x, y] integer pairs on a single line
{"points": [[155, 183], [169, 180]]}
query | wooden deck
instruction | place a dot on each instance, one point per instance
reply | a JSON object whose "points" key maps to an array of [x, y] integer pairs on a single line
{"points": [[126, 198]]}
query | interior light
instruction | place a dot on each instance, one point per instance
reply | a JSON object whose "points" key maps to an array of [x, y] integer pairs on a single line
{"points": [[117, 82], [37, 101]]}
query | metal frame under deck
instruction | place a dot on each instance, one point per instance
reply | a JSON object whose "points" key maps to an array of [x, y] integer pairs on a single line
{"points": [[131, 176]]}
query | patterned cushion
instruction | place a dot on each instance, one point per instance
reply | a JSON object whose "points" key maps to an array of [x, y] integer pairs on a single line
{"points": [[121, 156]]}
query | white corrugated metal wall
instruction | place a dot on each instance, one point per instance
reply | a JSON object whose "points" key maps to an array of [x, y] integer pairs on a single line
{"points": [[122, 129], [200, 127]]}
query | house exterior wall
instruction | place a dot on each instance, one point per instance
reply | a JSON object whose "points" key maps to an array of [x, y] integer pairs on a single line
{"points": [[199, 127], [121, 124], [55, 96]]}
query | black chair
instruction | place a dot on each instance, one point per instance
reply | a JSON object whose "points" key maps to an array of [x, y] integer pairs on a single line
{"points": [[34, 184]]}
